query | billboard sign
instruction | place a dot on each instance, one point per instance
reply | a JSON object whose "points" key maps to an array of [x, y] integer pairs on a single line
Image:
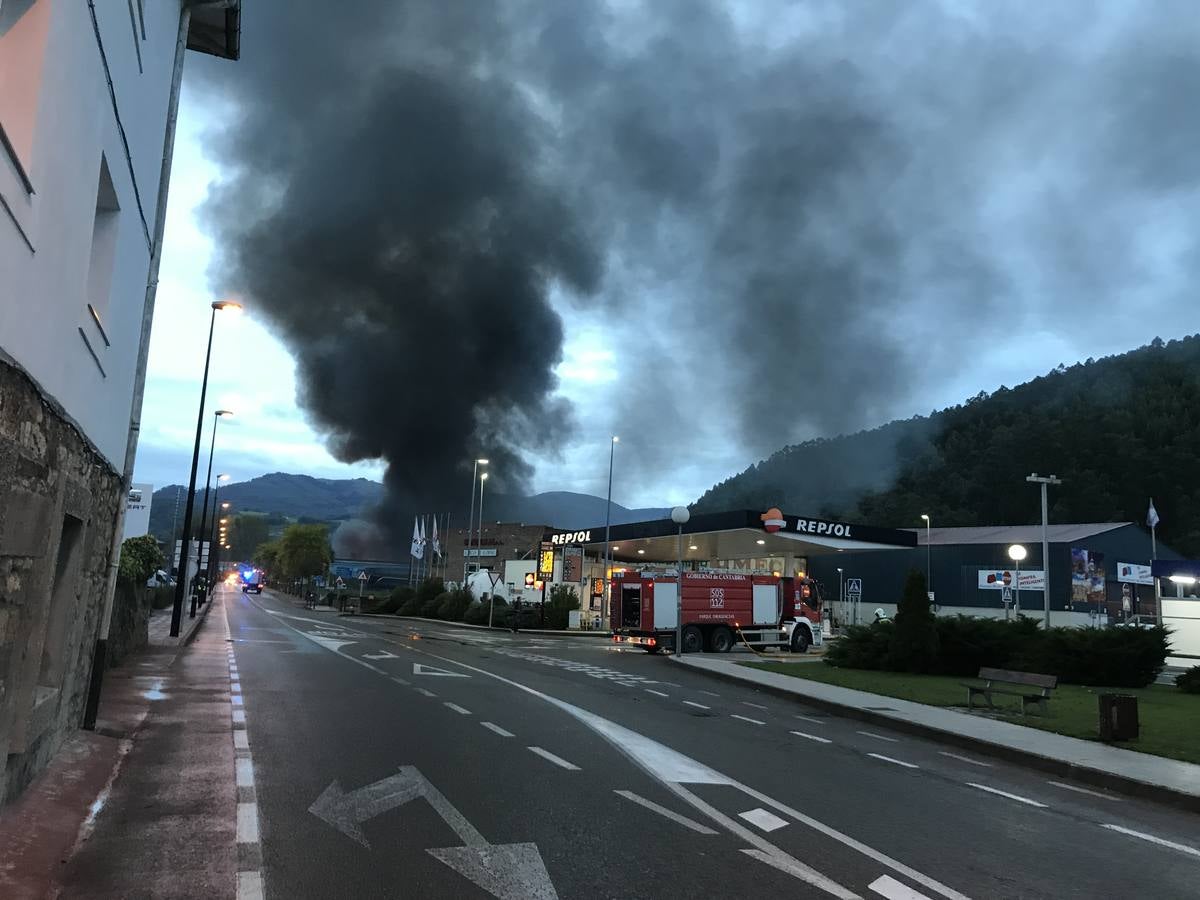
{"points": [[572, 565], [1133, 573], [137, 510], [546, 561], [998, 579]]}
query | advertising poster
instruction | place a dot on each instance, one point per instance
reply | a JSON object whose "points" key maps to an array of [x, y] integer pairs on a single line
{"points": [[1133, 573], [572, 565], [546, 562], [1087, 578], [998, 579]]}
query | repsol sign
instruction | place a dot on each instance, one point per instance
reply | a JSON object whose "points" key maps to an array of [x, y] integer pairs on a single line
{"points": [[571, 537], [821, 527]]}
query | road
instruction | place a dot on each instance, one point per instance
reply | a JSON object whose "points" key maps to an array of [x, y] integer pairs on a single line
{"points": [[395, 759]]}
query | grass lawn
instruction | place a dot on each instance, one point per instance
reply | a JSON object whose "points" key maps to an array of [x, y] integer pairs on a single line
{"points": [[1170, 719]]}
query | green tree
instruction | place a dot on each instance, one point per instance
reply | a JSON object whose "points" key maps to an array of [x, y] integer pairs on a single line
{"points": [[246, 532], [266, 557], [914, 646], [140, 558], [304, 551]]}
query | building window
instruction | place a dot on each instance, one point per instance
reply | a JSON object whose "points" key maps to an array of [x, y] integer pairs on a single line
{"points": [[24, 25], [104, 248]]}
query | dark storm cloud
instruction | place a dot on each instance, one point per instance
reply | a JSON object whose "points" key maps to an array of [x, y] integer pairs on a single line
{"points": [[793, 218]]}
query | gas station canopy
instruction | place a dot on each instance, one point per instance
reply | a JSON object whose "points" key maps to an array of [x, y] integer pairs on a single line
{"points": [[738, 534]]}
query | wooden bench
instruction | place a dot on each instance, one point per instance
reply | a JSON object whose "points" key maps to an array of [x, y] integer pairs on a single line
{"points": [[1031, 688]]}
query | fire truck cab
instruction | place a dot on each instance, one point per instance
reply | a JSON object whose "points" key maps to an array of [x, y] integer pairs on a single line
{"points": [[719, 609]]}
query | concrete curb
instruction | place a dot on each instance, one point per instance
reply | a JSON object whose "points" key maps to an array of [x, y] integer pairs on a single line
{"points": [[546, 631], [1101, 778]]}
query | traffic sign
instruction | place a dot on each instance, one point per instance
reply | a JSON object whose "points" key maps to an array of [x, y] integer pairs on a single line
{"points": [[362, 576], [340, 583], [1007, 597], [854, 586]]}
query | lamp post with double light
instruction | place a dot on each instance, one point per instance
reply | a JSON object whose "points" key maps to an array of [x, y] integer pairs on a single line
{"points": [[181, 582], [479, 543], [680, 516], [217, 416], [212, 567], [606, 598], [928, 553], [471, 517]]}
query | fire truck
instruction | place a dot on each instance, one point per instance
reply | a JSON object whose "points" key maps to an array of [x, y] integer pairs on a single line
{"points": [[719, 609]]}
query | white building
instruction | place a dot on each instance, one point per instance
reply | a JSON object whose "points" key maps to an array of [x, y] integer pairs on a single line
{"points": [[88, 92]]}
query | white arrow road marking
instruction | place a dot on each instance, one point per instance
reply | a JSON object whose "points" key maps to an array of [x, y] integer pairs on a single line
{"points": [[1182, 848], [760, 818], [327, 643], [887, 886], [507, 871], [419, 669], [667, 813], [383, 654]]}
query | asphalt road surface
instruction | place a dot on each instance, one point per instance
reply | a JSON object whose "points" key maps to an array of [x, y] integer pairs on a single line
{"points": [[399, 759]]}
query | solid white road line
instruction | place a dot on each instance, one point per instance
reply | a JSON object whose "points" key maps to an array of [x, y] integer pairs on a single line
{"points": [[898, 762], [762, 819], [745, 719], [697, 705], [878, 737], [667, 813], [1182, 848], [247, 823], [966, 759], [425, 692], [887, 886], [245, 773], [249, 886], [755, 705], [557, 760], [812, 737], [240, 740], [1079, 790], [1017, 797], [657, 693], [457, 708], [810, 719], [399, 680], [492, 726], [239, 717]]}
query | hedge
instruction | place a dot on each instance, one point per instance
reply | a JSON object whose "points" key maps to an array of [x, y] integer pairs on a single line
{"points": [[453, 605], [1115, 656], [1189, 681]]}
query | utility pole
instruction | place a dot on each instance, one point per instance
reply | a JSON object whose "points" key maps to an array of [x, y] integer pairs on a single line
{"points": [[1044, 481]]}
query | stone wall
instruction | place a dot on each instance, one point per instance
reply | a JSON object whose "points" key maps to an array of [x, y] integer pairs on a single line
{"points": [[58, 507]]}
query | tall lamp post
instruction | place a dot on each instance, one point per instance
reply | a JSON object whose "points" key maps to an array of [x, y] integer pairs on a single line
{"points": [[212, 566], [680, 516], [928, 553], [841, 596], [471, 517], [1016, 553], [181, 579], [1045, 480], [606, 599], [479, 543], [217, 416]]}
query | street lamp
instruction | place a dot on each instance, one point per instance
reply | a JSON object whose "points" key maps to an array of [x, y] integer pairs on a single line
{"points": [[212, 568], [1016, 553], [928, 553], [680, 516], [217, 416], [841, 596], [1044, 481], [471, 517], [479, 543], [606, 599], [181, 579]]}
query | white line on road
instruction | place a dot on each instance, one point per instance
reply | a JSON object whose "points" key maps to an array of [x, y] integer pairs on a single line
{"points": [[745, 719], [887, 886], [1017, 797], [668, 813], [249, 886], [657, 693], [812, 737], [236, 699], [710, 693], [247, 823], [898, 762], [1182, 848], [239, 717], [1080, 790], [245, 773], [879, 737], [966, 759], [240, 740], [458, 709], [810, 719], [755, 705], [425, 692], [557, 760], [492, 726], [697, 705], [760, 818]]}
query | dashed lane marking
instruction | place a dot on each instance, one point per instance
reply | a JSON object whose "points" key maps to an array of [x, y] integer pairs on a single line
{"points": [[1162, 842], [557, 760], [762, 819], [746, 719], [462, 711], [1000, 793], [240, 741], [966, 759], [245, 772], [812, 737], [247, 823], [492, 726], [656, 693], [1081, 790], [810, 719], [755, 705], [697, 705], [879, 737], [425, 693], [666, 813], [895, 762]]}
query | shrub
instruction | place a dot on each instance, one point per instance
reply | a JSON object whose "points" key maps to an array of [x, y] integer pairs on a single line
{"points": [[428, 589], [1189, 681], [1107, 657], [967, 644], [862, 646], [162, 597], [562, 600], [914, 645], [411, 606], [454, 605], [396, 599], [430, 607], [476, 614]]}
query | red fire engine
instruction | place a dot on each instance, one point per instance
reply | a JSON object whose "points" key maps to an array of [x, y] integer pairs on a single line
{"points": [[719, 608]]}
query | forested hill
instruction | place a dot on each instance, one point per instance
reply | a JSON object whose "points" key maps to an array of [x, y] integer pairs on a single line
{"points": [[1117, 431]]}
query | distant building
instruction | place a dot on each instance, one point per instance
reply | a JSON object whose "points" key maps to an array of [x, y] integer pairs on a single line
{"points": [[85, 113], [500, 542]]}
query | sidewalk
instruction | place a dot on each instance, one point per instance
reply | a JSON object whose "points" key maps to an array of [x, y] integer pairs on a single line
{"points": [[144, 806], [1090, 762]]}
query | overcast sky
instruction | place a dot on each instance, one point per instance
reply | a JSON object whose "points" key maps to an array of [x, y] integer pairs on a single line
{"points": [[713, 229]]}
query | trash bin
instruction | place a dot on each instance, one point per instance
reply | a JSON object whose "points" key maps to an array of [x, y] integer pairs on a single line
{"points": [[1118, 717]]}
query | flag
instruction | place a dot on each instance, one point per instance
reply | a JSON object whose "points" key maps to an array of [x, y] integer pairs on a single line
{"points": [[1152, 516], [421, 541], [437, 545], [418, 549]]}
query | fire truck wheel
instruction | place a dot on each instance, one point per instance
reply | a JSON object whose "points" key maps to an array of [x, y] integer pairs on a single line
{"points": [[800, 640], [721, 640], [693, 640]]}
